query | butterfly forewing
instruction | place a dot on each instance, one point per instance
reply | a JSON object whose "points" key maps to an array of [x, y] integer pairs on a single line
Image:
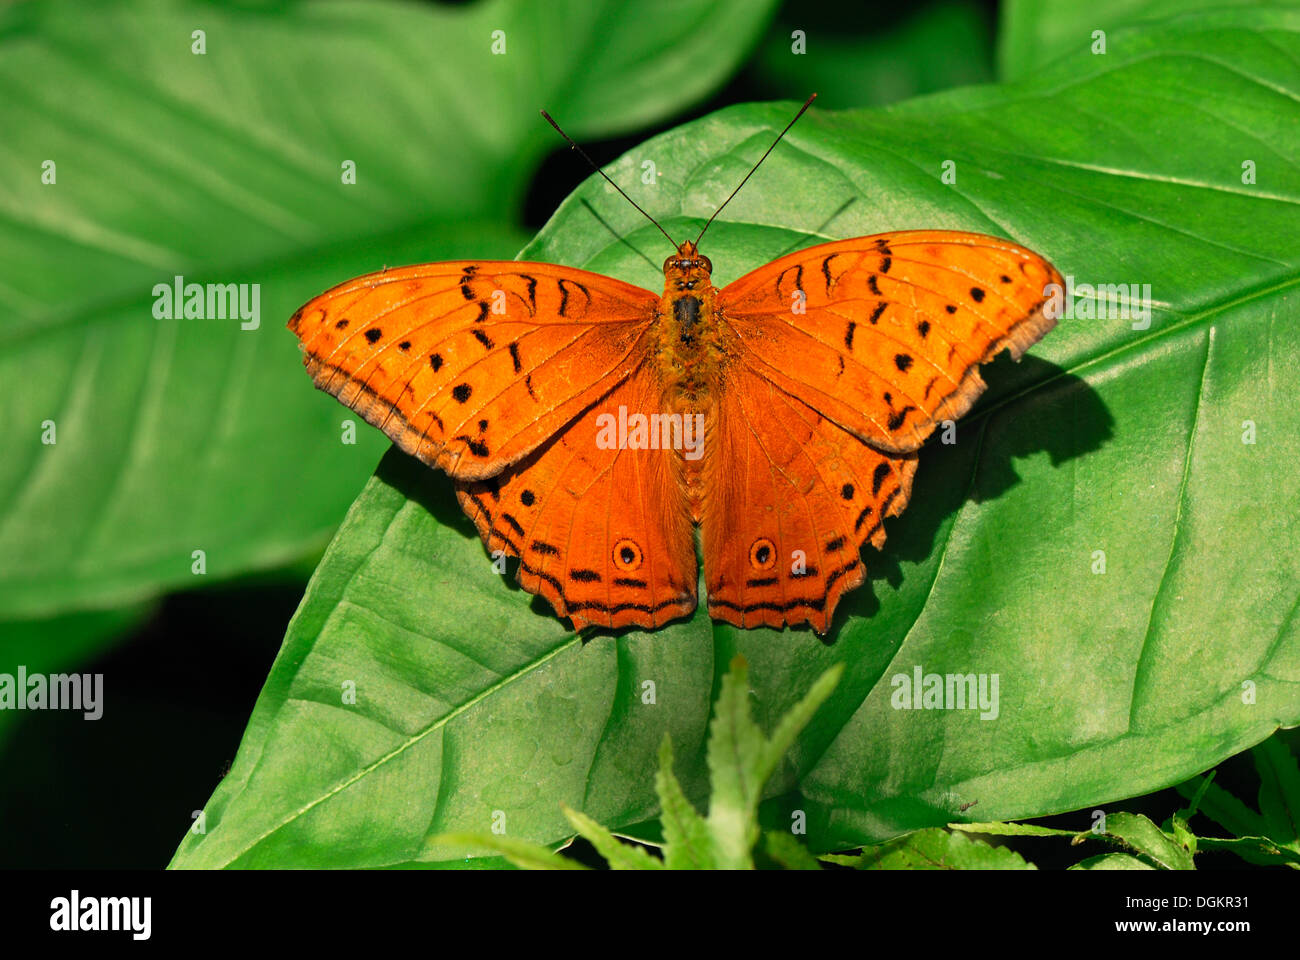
{"points": [[469, 366], [885, 334]]}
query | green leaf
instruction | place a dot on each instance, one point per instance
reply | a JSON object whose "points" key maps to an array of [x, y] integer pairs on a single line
{"points": [[1105, 438], [1279, 792], [619, 855], [1035, 33], [1258, 850], [524, 855], [1015, 830], [1139, 833], [933, 849], [688, 845], [1112, 861], [176, 435], [741, 760], [786, 850]]}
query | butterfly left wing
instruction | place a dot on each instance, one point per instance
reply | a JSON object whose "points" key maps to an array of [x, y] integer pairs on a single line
{"points": [[602, 532], [471, 365], [885, 334]]}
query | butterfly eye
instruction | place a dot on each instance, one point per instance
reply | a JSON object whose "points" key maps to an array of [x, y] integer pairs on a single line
{"points": [[762, 555], [627, 555]]}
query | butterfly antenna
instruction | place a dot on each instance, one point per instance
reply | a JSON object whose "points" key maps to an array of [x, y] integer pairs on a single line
{"points": [[807, 104], [547, 117]]}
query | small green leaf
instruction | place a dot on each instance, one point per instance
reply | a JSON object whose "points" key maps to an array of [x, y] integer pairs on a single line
{"points": [[1279, 792], [1146, 838], [933, 849], [1182, 833], [1257, 850], [619, 855], [786, 850], [1112, 861], [741, 760], [1013, 830], [522, 853], [688, 844]]}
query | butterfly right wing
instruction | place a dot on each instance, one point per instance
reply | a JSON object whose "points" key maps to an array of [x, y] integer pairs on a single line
{"points": [[603, 533], [471, 365], [885, 334], [790, 497]]}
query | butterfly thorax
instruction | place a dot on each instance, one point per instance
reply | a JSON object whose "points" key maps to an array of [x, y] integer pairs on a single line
{"points": [[689, 347]]}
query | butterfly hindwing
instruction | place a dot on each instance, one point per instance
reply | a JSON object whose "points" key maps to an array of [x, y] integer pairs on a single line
{"points": [[791, 499], [889, 330], [471, 365], [602, 532]]}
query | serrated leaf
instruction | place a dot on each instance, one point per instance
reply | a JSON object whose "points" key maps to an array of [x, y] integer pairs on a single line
{"points": [[1139, 833], [619, 855], [521, 853], [688, 845], [786, 850], [1279, 792], [1112, 861], [933, 849], [1013, 830], [736, 753]]}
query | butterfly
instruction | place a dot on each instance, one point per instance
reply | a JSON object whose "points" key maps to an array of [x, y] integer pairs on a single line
{"points": [[591, 426]]}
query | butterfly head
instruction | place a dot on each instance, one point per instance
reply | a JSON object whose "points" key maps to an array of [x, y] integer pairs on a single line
{"points": [[687, 268]]}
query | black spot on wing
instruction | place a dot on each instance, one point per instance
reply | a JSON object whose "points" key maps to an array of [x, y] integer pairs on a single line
{"points": [[435, 361], [903, 361], [476, 447], [462, 392], [482, 337], [875, 314], [878, 477], [514, 355], [826, 270], [585, 576], [373, 334]]}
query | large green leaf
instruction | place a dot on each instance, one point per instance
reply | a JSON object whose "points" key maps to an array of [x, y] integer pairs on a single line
{"points": [[227, 166], [472, 700], [1034, 33]]}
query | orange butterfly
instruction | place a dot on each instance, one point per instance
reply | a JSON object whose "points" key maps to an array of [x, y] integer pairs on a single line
{"points": [[590, 425]]}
